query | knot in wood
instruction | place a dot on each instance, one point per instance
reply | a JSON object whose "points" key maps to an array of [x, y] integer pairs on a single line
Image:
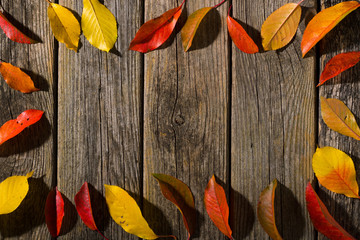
{"points": [[179, 119]]}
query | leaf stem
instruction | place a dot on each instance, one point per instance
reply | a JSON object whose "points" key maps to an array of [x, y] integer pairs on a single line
{"points": [[185, 1], [101, 234], [49, 1], [219, 4], [229, 10]]}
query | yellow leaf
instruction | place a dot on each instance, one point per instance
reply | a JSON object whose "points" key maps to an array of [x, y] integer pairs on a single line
{"points": [[64, 25], [98, 25], [12, 192], [335, 170], [280, 27], [339, 118], [125, 212]]}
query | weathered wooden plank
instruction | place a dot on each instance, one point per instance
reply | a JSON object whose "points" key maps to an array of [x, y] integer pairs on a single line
{"points": [[33, 148], [185, 117], [272, 128], [345, 87], [99, 124]]}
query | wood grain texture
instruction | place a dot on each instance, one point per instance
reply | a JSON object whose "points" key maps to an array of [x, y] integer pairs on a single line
{"points": [[272, 128], [345, 87], [33, 148], [99, 120], [185, 116]]}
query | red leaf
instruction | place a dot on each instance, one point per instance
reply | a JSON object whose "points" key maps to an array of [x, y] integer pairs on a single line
{"points": [[240, 37], [54, 212], [217, 207], [155, 32], [12, 32], [179, 193], [321, 218], [338, 64], [83, 207], [13, 127], [16, 78]]}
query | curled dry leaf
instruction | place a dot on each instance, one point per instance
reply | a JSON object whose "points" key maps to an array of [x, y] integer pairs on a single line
{"points": [[241, 39], [192, 24], [324, 22], [12, 32], [155, 32], [179, 193], [13, 127], [266, 213], [64, 25], [280, 27], [54, 212], [321, 218], [125, 212], [335, 170], [13, 191], [338, 64], [339, 118], [84, 209], [16, 78], [98, 25], [217, 207]]}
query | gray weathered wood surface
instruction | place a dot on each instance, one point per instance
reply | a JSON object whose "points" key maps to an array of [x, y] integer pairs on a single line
{"points": [[116, 118]]}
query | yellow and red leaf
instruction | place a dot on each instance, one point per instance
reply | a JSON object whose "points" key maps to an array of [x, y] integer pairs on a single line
{"points": [[217, 207]]}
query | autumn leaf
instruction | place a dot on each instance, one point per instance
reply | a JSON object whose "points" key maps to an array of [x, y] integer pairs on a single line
{"points": [[12, 192], [125, 212], [192, 24], [265, 211], [335, 170], [179, 193], [280, 27], [155, 32], [338, 64], [16, 78], [54, 212], [84, 209], [98, 25], [64, 25], [217, 207], [321, 218], [13, 127], [339, 118], [240, 37], [12, 32], [324, 22]]}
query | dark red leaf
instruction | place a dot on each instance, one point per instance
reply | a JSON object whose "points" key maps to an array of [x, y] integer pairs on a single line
{"points": [[338, 64], [13, 127], [217, 207], [321, 218], [12, 32], [155, 32], [240, 37], [54, 212], [83, 207]]}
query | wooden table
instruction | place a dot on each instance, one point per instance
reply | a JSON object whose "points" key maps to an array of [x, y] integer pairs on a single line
{"points": [[115, 118]]}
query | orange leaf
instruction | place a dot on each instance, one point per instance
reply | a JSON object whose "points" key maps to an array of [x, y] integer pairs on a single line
{"points": [[280, 27], [321, 218], [265, 211], [338, 64], [179, 193], [16, 78], [12, 32], [339, 118], [191, 26], [217, 207], [324, 22], [13, 127], [240, 37], [335, 170], [155, 32]]}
